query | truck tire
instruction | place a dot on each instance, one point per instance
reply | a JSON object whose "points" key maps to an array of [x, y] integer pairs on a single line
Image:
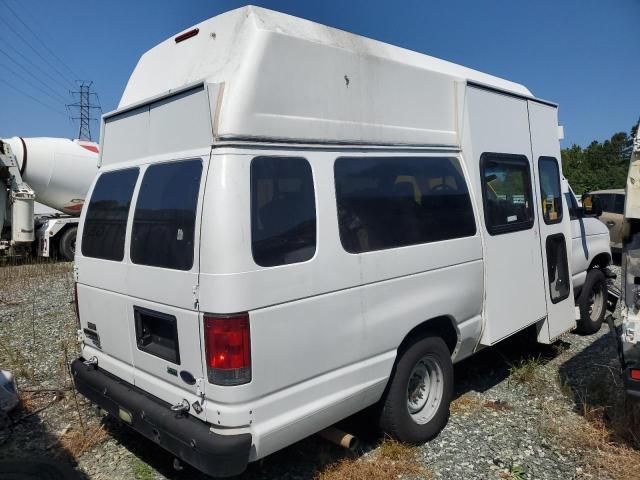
{"points": [[415, 405], [592, 302], [67, 244]]}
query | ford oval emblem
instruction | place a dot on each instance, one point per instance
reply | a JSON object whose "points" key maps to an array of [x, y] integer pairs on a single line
{"points": [[187, 378]]}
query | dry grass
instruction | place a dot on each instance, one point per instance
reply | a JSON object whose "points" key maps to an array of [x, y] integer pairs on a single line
{"points": [[391, 460], [76, 442], [466, 403], [605, 436], [497, 405], [16, 274], [14, 360]]}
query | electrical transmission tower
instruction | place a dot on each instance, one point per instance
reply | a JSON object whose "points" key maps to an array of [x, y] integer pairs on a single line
{"points": [[86, 102]]}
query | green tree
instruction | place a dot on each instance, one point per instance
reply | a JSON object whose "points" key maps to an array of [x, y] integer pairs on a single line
{"points": [[599, 166]]}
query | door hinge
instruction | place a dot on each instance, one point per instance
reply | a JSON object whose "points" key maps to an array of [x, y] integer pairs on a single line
{"points": [[196, 302], [200, 387]]}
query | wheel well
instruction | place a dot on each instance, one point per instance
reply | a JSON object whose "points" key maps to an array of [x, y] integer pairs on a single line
{"points": [[601, 260], [441, 326]]}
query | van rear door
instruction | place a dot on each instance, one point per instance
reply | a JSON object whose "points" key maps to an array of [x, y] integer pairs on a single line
{"points": [[162, 276], [138, 275]]}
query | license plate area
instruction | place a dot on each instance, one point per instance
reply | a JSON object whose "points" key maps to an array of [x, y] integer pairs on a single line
{"points": [[157, 334]]}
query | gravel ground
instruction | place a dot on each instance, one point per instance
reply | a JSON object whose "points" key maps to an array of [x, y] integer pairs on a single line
{"points": [[500, 425]]}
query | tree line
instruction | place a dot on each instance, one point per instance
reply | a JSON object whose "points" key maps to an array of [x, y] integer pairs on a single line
{"points": [[601, 165]]}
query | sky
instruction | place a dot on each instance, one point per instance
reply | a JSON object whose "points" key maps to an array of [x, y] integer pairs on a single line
{"points": [[582, 54]]}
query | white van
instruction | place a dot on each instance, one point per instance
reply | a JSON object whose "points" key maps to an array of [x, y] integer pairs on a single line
{"points": [[292, 223]]}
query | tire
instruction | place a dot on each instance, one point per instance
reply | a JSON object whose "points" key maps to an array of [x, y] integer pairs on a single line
{"points": [[411, 419], [592, 302], [67, 244]]}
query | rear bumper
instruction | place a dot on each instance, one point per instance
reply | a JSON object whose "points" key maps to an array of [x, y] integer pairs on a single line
{"points": [[184, 436]]}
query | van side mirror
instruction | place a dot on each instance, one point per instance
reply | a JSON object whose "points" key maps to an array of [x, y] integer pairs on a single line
{"points": [[591, 205]]}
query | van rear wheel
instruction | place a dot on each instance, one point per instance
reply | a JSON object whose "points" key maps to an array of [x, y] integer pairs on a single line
{"points": [[592, 302], [415, 406]]}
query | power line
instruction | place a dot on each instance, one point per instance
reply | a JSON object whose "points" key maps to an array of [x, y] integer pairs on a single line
{"points": [[74, 75], [34, 50], [53, 92], [27, 60], [32, 84], [32, 97]]}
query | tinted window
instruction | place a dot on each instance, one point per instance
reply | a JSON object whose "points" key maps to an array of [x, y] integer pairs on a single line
{"points": [[105, 223], [618, 204], [165, 218], [283, 211], [550, 190], [393, 202], [558, 268], [506, 190]]}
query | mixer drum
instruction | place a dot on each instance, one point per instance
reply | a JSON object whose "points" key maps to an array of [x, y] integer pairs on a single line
{"points": [[59, 170]]}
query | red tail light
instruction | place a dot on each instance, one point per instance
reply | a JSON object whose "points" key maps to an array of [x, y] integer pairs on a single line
{"points": [[228, 348], [634, 373], [75, 302]]}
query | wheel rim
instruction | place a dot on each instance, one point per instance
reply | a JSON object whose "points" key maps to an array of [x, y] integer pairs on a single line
{"points": [[596, 303], [72, 246], [425, 389]]}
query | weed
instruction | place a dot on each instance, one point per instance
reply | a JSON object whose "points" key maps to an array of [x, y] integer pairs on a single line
{"points": [[525, 371], [515, 472], [141, 471], [391, 460]]}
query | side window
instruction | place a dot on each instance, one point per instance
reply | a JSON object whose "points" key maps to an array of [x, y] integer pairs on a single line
{"points": [[618, 204], [389, 202], [283, 211], [550, 190], [165, 217], [105, 223], [506, 191]]}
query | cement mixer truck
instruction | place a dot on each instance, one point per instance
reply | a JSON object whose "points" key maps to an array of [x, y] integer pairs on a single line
{"points": [[55, 172]]}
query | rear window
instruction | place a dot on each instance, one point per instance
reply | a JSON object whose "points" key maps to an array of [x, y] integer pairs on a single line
{"points": [[283, 211], [165, 217], [105, 223]]}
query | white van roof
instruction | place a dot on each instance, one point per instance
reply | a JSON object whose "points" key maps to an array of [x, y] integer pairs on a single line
{"points": [[290, 79]]}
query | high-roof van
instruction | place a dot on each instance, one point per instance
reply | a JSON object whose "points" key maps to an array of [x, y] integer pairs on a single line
{"points": [[292, 223]]}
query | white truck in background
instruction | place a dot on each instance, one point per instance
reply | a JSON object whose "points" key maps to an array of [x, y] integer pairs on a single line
{"points": [[55, 172], [590, 259]]}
